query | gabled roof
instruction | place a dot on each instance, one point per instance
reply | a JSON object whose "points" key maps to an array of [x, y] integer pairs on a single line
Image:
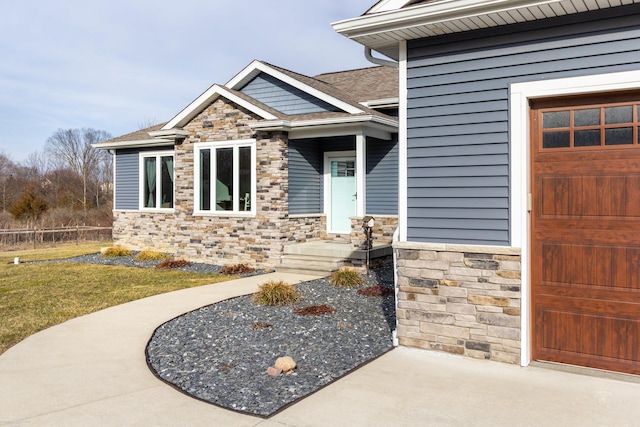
{"points": [[347, 91], [390, 21]]}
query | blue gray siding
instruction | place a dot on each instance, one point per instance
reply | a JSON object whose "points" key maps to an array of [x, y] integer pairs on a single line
{"points": [[382, 177], [305, 177], [284, 97], [458, 140], [127, 179], [306, 169]]}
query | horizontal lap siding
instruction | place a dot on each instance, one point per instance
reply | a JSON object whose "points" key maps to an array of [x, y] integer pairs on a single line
{"points": [[382, 177], [284, 97], [458, 129], [305, 177], [127, 179]]}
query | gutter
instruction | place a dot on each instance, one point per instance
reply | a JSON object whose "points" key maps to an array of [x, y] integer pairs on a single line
{"points": [[378, 61]]}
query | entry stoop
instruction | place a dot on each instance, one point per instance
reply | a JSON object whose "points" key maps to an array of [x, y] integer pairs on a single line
{"points": [[323, 258]]}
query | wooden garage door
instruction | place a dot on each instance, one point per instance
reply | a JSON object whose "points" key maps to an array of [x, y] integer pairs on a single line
{"points": [[585, 254]]}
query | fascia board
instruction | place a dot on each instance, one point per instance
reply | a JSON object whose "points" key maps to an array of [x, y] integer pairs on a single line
{"points": [[378, 123], [207, 98], [387, 5], [171, 133], [256, 67], [382, 103], [157, 142], [445, 10]]}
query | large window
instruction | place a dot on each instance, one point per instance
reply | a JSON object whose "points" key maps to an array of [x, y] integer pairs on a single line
{"points": [[225, 177], [156, 180]]}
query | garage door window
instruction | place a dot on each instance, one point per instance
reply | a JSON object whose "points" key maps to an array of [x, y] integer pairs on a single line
{"points": [[590, 126]]}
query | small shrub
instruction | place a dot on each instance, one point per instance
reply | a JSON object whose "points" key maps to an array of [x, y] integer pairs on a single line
{"points": [[276, 293], [346, 277], [376, 291], [173, 263], [116, 251], [314, 310], [149, 255], [237, 269]]}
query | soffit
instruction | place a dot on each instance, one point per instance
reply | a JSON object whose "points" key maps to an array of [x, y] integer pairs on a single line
{"points": [[383, 31]]}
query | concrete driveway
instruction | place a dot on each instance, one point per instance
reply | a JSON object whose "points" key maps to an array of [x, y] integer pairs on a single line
{"points": [[91, 371]]}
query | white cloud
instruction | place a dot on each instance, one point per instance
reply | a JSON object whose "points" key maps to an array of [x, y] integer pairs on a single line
{"points": [[113, 64]]}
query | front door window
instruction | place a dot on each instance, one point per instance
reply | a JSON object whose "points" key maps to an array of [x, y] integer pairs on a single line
{"points": [[343, 194]]}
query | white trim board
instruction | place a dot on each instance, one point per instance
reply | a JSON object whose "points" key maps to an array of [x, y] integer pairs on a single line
{"points": [[256, 67], [519, 96], [204, 100]]}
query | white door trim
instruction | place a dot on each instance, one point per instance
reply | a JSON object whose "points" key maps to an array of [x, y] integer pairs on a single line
{"points": [[328, 156], [519, 96]]}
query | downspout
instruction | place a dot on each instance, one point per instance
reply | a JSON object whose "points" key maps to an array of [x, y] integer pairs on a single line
{"points": [[396, 288], [378, 61]]}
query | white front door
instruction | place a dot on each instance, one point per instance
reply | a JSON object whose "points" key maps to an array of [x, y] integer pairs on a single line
{"points": [[341, 193]]}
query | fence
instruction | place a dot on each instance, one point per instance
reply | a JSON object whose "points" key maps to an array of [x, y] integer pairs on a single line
{"points": [[31, 236]]}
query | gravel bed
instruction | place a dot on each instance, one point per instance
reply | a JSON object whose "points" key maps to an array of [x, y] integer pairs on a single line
{"points": [[130, 261], [218, 354]]}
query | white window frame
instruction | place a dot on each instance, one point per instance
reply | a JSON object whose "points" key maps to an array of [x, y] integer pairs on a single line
{"points": [[235, 145], [519, 96], [141, 177]]}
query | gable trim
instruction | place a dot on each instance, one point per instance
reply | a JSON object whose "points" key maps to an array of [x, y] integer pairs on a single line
{"points": [[204, 100], [257, 67]]}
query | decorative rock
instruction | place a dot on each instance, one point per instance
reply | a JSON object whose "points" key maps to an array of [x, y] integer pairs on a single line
{"points": [[285, 364], [273, 371]]}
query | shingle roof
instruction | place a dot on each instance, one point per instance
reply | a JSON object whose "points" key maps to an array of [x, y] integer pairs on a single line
{"points": [[351, 87], [138, 135], [364, 84]]}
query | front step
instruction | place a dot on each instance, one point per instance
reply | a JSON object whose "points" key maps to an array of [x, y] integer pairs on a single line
{"points": [[309, 264]]}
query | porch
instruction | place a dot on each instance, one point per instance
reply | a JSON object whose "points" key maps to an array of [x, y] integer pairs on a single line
{"points": [[324, 257]]}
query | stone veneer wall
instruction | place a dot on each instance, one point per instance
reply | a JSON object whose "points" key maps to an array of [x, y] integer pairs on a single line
{"points": [[460, 299], [383, 229], [219, 238], [306, 228]]}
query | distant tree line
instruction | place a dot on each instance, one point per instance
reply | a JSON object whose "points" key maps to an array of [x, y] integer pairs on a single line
{"points": [[69, 183]]}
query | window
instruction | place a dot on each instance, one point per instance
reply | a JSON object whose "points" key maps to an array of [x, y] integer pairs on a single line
{"points": [[156, 180], [225, 177], [591, 124]]}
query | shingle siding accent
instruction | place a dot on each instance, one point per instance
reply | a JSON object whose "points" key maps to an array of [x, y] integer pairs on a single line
{"points": [[284, 97], [458, 130], [382, 177]]}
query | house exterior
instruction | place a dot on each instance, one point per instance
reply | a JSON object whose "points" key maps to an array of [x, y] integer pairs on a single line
{"points": [[519, 196], [269, 159]]}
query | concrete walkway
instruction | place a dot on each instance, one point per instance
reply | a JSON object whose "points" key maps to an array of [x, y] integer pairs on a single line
{"points": [[91, 371]]}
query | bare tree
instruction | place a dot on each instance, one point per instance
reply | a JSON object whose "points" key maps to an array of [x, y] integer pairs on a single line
{"points": [[74, 149], [7, 170]]}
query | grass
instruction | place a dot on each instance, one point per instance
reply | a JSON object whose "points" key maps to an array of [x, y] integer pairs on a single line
{"points": [[116, 251], [276, 293], [346, 277], [150, 255], [34, 297]]}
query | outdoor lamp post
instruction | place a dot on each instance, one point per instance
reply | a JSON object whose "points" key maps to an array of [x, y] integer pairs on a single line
{"points": [[367, 225]]}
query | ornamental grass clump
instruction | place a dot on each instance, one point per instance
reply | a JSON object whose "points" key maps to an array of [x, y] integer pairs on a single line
{"points": [[276, 293], [149, 255], [346, 277], [116, 251]]}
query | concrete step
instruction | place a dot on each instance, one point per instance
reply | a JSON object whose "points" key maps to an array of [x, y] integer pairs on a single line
{"points": [[323, 265]]}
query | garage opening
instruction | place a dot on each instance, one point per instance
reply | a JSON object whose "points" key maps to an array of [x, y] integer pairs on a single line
{"points": [[585, 236]]}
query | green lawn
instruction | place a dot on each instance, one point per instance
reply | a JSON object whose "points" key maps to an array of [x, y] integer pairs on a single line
{"points": [[34, 297]]}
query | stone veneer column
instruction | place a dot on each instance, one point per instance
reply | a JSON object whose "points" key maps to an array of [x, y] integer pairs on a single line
{"points": [[460, 299]]}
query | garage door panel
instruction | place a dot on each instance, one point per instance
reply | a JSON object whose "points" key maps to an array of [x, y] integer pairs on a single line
{"points": [[590, 266], [603, 196], [571, 334], [585, 234]]}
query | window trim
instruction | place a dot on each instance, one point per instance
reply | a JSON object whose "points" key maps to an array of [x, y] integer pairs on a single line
{"points": [[158, 155], [235, 145]]}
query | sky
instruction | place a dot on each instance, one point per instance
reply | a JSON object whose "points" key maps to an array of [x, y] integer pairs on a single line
{"points": [[121, 65]]}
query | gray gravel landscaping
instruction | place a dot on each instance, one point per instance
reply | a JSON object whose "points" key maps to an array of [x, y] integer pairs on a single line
{"points": [[220, 353]]}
